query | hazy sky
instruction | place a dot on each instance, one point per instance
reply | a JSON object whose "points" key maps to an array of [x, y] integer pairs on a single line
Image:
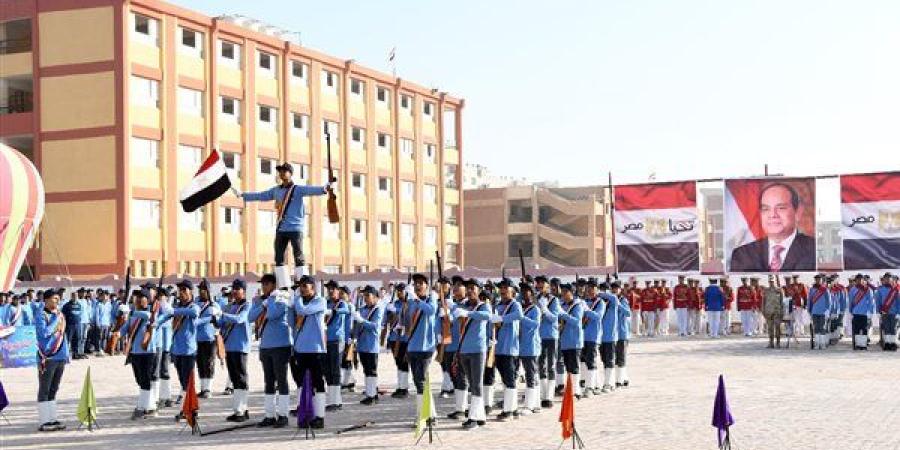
{"points": [[568, 90]]}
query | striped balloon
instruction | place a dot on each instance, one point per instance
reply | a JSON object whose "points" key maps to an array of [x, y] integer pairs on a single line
{"points": [[21, 210]]}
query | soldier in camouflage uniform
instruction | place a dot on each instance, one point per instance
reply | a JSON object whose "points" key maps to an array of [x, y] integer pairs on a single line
{"points": [[773, 310]]}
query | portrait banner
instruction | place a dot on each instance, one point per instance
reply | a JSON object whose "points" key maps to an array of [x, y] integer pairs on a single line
{"points": [[870, 221], [656, 227], [770, 225]]}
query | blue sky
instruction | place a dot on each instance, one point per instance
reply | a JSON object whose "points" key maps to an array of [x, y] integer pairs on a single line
{"points": [[569, 90]]}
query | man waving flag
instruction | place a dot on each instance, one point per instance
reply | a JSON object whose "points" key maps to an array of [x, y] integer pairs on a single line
{"points": [[208, 184]]}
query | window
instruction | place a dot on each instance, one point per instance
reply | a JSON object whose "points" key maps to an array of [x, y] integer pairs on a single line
{"points": [[267, 116], [427, 109], [407, 233], [431, 235], [409, 190], [450, 215], [330, 230], [384, 231], [231, 109], [406, 148], [430, 153], [329, 82], [298, 71], [384, 142], [145, 29], [144, 152], [359, 229], [191, 42], [301, 175], [231, 219], [357, 138], [265, 221], [232, 164], [266, 168], [192, 221], [301, 124], [384, 187], [229, 53], [405, 101], [452, 252], [384, 97], [430, 193], [331, 269], [357, 87], [358, 181], [189, 157], [334, 131], [266, 64], [144, 91], [145, 214], [190, 102]]}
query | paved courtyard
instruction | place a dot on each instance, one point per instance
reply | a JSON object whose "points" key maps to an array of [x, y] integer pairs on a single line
{"points": [[785, 399]]}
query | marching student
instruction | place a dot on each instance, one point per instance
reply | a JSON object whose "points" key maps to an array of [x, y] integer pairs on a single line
{"points": [[142, 360], [530, 348], [623, 333], [506, 320], [608, 337], [309, 344], [862, 306], [470, 358], [53, 352], [184, 336], [571, 335], [335, 332], [819, 305], [206, 338], [368, 325], [235, 326], [888, 305], [270, 314], [549, 334], [398, 320], [163, 391], [594, 310], [421, 340]]}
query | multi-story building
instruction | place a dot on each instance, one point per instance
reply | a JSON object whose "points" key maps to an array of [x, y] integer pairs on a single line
{"points": [[564, 226], [712, 225], [829, 245], [118, 102], [477, 176]]}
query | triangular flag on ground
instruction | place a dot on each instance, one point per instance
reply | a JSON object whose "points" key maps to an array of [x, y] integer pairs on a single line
{"points": [[87, 406], [191, 406], [4, 401], [567, 413], [425, 407], [722, 418], [305, 410]]}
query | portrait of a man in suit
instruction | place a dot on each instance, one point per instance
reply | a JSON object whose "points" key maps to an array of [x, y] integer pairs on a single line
{"points": [[784, 247]]}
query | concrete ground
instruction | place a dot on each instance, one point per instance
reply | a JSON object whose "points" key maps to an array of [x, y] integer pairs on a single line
{"points": [[781, 399]]}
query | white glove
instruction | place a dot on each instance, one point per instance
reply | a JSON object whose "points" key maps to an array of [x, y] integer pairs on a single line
{"points": [[390, 308], [461, 312], [543, 302], [544, 310], [495, 318], [357, 317], [327, 313]]}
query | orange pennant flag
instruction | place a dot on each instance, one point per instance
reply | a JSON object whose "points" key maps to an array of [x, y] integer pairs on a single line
{"points": [[567, 413], [191, 406]]}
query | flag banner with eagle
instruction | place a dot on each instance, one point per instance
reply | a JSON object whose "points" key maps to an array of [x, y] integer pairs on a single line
{"points": [[870, 216], [209, 183], [656, 227]]}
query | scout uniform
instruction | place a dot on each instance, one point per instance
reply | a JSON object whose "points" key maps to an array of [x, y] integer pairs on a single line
{"points": [[366, 332], [235, 325], [336, 339], [549, 334], [470, 357], [888, 305], [310, 346], [420, 335], [623, 333], [270, 313], [745, 306], [506, 319], [571, 336], [530, 347], [184, 335], [862, 307], [53, 353], [819, 305], [398, 319], [594, 309]]}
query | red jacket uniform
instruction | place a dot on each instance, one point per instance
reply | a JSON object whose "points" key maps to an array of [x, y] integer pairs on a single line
{"points": [[745, 298], [729, 297], [663, 298], [682, 296], [648, 299]]}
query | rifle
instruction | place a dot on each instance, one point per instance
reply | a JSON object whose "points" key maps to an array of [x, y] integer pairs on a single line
{"points": [[333, 214], [384, 328], [148, 331], [446, 334], [522, 264], [120, 319]]}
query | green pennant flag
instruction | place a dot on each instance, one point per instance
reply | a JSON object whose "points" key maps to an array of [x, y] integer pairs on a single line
{"points": [[425, 410], [87, 406]]}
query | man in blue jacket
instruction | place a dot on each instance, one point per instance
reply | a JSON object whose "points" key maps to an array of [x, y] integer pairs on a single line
{"points": [[506, 320], [235, 328], [571, 335], [184, 335], [608, 336], [421, 340], [549, 333], [715, 304], [470, 358], [818, 303], [623, 333], [102, 318], [887, 303], [269, 312], [291, 225], [366, 332], [594, 309], [309, 344], [335, 333], [53, 351], [530, 347], [862, 307]]}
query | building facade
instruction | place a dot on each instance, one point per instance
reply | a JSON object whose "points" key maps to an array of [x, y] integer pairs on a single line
{"points": [[477, 176], [118, 102], [563, 226]]}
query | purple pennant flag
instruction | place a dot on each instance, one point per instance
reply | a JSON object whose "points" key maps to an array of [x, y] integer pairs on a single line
{"points": [[721, 418], [305, 411], [4, 401]]}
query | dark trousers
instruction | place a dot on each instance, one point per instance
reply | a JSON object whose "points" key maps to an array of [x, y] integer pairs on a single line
{"points": [[547, 360], [489, 372], [399, 351], [333, 362], [818, 322], [282, 238], [48, 380], [506, 365], [447, 362], [101, 338], [236, 363], [347, 363], [275, 365], [529, 363], [206, 354], [889, 323], [621, 350], [570, 360], [471, 365], [143, 366], [314, 363], [460, 383], [73, 335], [589, 355], [418, 362], [608, 354], [82, 337], [369, 363], [860, 325], [162, 366], [184, 365]]}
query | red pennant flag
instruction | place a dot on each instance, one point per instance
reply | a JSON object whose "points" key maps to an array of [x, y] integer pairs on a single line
{"points": [[567, 413], [191, 406]]}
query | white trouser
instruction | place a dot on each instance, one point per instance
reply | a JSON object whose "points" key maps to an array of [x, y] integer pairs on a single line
{"points": [[725, 322], [714, 322], [636, 323], [747, 322], [662, 321], [649, 318], [681, 315]]}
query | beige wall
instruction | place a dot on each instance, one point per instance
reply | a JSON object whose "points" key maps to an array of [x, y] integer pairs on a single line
{"points": [[76, 36]]}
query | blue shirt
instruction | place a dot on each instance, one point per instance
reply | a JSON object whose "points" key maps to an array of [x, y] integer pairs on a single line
{"points": [[571, 335], [822, 305], [139, 321], [866, 304], [881, 297], [185, 335], [47, 338], [399, 315], [235, 324], [338, 320], [102, 316], [508, 334], [610, 319], [529, 335], [276, 331], [549, 328], [454, 329], [624, 319], [87, 306], [310, 337], [715, 300], [293, 219], [206, 330], [72, 311], [473, 334], [368, 330], [421, 332], [593, 312]]}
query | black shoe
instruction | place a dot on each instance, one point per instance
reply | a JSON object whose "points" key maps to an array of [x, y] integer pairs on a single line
{"points": [[228, 391], [317, 423], [504, 416], [47, 427], [470, 424], [618, 385], [400, 393], [480, 423], [349, 387], [333, 407], [203, 394], [293, 413], [167, 403], [236, 417], [137, 414], [515, 414], [179, 416], [280, 422], [368, 400], [625, 383], [178, 400], [559, 391], [546, 403], [456, 415], [267, 422], [488, 409], [150, 413]]}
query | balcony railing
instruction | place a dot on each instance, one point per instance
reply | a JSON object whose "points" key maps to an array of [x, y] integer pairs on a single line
{"points": [[10, 46]]}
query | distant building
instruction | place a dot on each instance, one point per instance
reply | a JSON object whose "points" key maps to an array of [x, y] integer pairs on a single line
{"points": [[829, 246], [477, 176], [564, 226], [712, 225]]}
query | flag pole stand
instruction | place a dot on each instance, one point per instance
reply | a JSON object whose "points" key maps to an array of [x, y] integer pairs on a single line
{"points": [[7, 420], [92, 422], [308, 431], [577, 443], [195, 428], [432, 433], [726, 443]]}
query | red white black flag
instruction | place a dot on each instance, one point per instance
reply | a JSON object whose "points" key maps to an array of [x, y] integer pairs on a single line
{"points": [[870, 212], [208, 184]]}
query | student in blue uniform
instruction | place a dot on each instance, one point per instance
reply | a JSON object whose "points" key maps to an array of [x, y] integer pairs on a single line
{"points": [[102, 318], [164, 329], [309, 344], [460, 386], [818, 303], [184, 335], [715, 304], [838, 308], [142, 359], [270, 314], [506, 321], [594, 309], [348, 378], [235, 329], [549, 333], [530, 347], [888, 305], [398, 319], [366, 331], [862, 307], [206, 338], [472, 349], [87, 306], [609, 336], [571, 335], [335, 323], [421, 340], [72, 311], [53, 352]]}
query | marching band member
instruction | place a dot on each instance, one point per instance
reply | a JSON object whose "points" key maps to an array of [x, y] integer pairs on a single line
{"points": [[184, 336], [471, 317], [608, 337], [862, 306], [335, 328], [623, 333], [420, 335], [530, 347], [594, 310], [571, 335], [549, 334], [142, 359]]}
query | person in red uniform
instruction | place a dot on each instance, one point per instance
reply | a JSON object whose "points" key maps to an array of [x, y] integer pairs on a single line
{"points": [[698, 306], [725, 322], [663, 303], [648, 309], [757, 317], [631, 292], [681, 298], [745, 305]]}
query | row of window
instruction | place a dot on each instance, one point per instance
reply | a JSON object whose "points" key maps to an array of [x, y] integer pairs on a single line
{"points": [[146, 29]]}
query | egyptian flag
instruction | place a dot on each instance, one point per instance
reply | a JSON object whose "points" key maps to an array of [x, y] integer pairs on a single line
{"points": [[656, 227], [870, 221], [208, 184]]}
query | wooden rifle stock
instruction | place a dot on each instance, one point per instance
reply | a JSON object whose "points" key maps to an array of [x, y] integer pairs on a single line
{"points": [[522, 264], [333, 215]]}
